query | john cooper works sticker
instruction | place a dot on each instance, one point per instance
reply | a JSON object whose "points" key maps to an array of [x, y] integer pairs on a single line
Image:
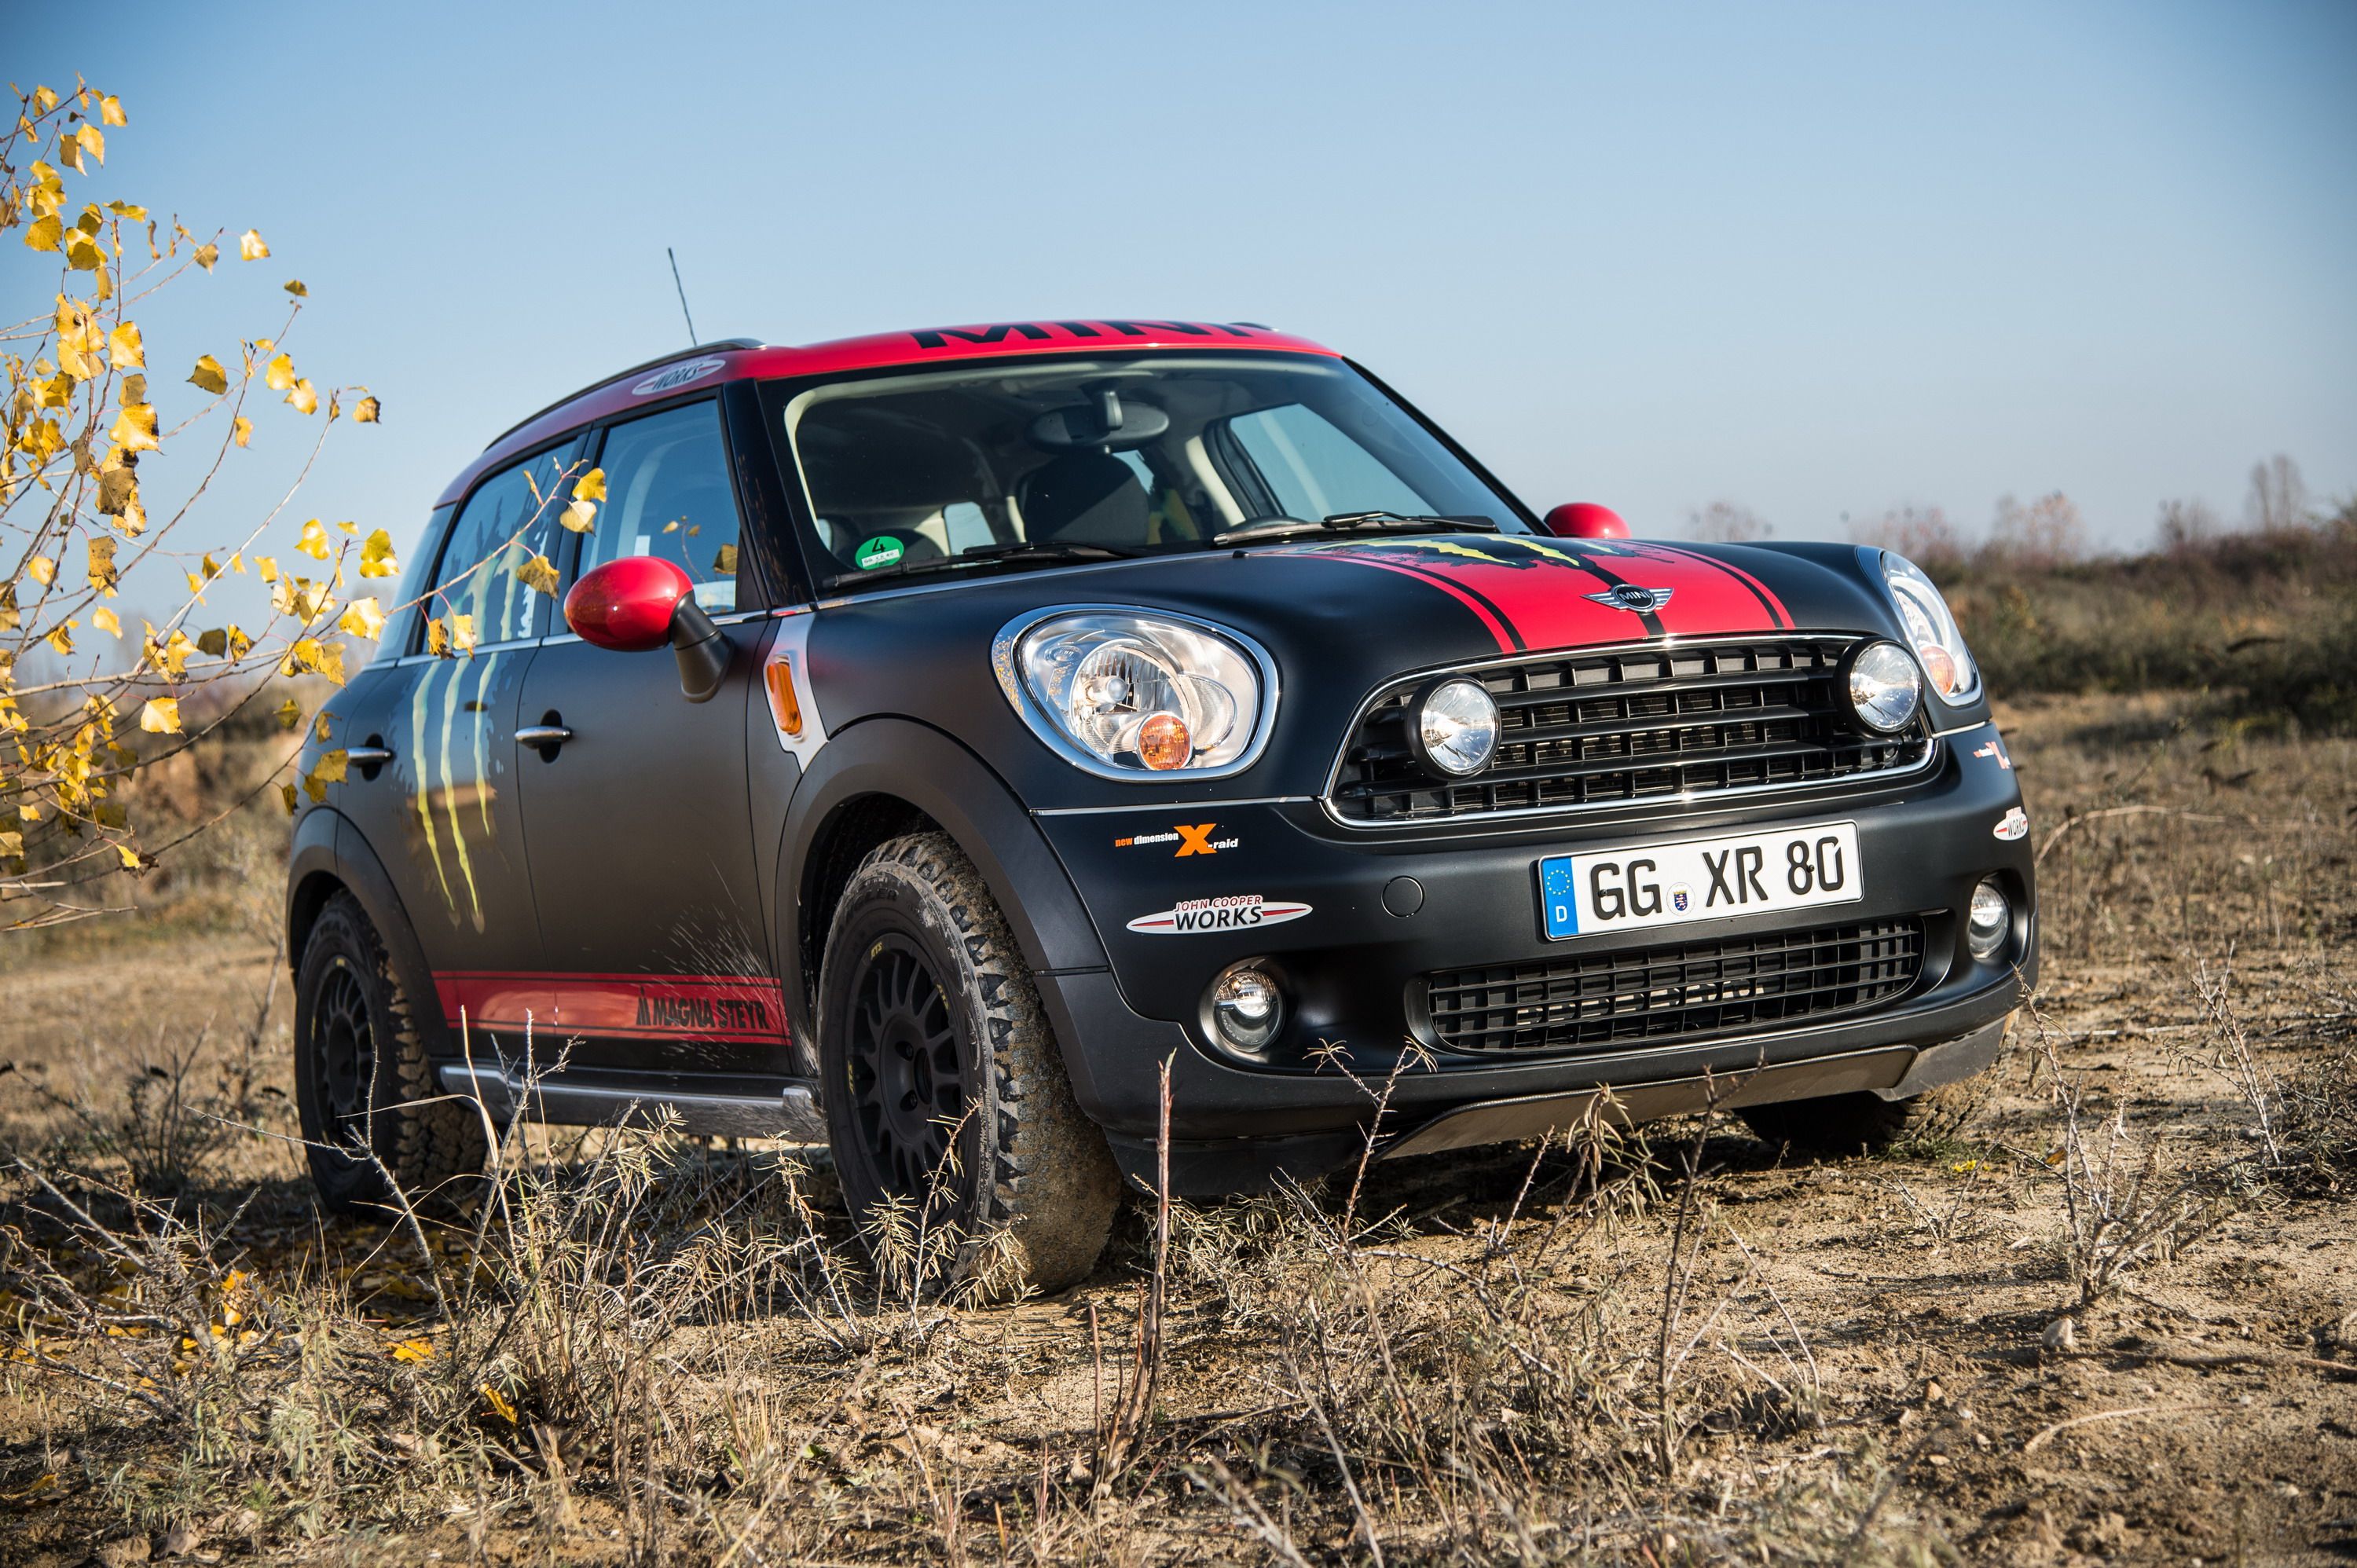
{"points": [[677, 376], [1230, 912]]}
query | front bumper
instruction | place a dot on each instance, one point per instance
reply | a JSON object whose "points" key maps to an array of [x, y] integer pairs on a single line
{"points": [[1352, 966]]}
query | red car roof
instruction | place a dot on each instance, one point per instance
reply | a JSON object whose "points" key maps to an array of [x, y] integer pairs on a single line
{"points": [[741, 361]]}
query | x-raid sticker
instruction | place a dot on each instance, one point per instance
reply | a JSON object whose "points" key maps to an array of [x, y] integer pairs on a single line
{"points": [[1195, 840], [672, 378], [2013, 825], [1229, 912]]}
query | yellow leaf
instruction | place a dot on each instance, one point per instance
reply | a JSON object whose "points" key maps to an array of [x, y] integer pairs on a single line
{"points": [[725, 561], [134, 388], [322, 727], [102, 574], [580, 517], [377, 559], [367, 411], [118, 488], [294, 287], [590, 487], [281, 374], [331, 766], [290, 714], [206, 255], [93, 140], [135, 429], [538, 573], [437, 639], [106, 619], [287, 793], [304, 399], [242, 430], [123, 347], [209, 375], [414, 1350], [266, 568], [130, 859], [160, 716], [82, 253], [314, 542], [361, 617], [42, 570], [250, 246], [61, 637], [45, 99], [110, 109], [46, 233], [70, 152], [498, 1404]]}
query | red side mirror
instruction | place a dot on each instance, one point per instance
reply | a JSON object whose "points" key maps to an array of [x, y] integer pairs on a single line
{"points": [[626, 605], [1585, 520]]}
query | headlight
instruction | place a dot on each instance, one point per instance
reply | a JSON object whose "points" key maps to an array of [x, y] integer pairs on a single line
{"points": [[1931, 629], [1128, 694], [1883, 686], [1456, 726]]}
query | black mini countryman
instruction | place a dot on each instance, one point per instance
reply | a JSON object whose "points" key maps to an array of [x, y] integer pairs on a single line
{"points": [[1049, 703]]}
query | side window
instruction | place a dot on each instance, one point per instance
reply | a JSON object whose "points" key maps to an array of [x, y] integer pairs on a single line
{"points": [[406, 613], [667, 494], [509, 519], [1315, 470]]}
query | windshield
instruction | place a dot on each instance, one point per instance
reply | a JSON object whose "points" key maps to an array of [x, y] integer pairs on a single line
{"points": [[1110, 456]]}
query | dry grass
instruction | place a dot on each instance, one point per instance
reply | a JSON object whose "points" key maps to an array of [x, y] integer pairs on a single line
{"points": [[1641, 1349]]}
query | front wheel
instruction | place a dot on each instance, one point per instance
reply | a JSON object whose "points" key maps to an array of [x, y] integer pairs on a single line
{"points": [[952, 1122]]}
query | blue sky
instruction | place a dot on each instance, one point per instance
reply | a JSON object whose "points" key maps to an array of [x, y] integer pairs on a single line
{"points": [[1815, 260]]}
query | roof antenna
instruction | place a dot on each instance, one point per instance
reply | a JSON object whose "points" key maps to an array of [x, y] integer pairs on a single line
{"points": [[691, 338]]}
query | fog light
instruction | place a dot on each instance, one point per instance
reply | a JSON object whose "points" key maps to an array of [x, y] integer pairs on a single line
{"points": [[1245, 1006], [1990, 921], [1456, 727], [1884, 687]]}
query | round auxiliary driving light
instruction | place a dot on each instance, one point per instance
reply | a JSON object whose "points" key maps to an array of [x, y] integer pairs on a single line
{"points": [[1990, 920], [1455, 727], [1884, 687], [1245, 1006]]}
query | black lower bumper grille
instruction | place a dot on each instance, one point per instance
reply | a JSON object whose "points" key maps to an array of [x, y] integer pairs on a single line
{"points": [[1684, 991]]}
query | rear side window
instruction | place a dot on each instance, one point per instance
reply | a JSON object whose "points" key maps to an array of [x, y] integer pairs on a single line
{"points": [[667, 494], [401, 634], [508, 520]]}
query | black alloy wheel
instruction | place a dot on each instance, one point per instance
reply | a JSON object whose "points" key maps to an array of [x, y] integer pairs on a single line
{"points": [[342, 1046], [908, 1077]]}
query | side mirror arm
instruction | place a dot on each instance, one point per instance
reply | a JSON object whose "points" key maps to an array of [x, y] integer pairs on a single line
{"points": [[702, 649]]}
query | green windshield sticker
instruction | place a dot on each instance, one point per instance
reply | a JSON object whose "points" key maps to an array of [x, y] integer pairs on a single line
{"points": [[878, 552]]}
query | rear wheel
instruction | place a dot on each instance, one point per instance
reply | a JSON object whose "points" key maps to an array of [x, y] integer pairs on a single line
{"points": [[360, 1073], [952, 1122]]}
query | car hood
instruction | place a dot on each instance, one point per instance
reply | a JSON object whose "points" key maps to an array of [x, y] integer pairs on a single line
{"points": [[1341, 618]]}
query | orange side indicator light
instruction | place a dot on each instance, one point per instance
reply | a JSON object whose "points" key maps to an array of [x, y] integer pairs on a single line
{"points": [[784, 706]]}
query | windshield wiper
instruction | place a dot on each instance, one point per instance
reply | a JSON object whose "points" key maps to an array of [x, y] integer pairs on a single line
{"points": [[988, 555], [1348, 523]]}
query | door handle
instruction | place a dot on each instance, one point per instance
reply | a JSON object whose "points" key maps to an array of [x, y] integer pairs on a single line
{"points": [[368, 755], [546, 736]]}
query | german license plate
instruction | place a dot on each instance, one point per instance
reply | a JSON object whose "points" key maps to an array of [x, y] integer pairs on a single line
{"points": [[1702, 879]]}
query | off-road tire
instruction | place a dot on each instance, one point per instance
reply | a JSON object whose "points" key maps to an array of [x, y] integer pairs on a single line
{"points": [[425, 1148], [1034, 1188], [1862, 1124]]}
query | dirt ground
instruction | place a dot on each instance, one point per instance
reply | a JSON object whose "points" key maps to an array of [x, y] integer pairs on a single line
{"points": [[2106, 1311]]}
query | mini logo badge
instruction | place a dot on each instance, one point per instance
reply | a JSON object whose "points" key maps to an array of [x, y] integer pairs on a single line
{"points": [[2013, 825], [880, 551], [1229, 912], [673, 376], [1630, 596]]}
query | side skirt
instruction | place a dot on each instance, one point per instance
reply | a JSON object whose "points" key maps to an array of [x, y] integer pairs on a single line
{"points": [[729, 1107]]}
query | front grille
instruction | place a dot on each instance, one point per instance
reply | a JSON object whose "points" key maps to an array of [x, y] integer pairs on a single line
{"points": [[1685, 991], [1628, 725]]}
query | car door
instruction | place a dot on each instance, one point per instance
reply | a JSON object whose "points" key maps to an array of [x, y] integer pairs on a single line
{"points": [[636, 805], [435, 754]]}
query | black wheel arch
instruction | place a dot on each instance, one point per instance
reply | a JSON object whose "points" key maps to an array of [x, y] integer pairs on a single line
{"points": [[879, 778], [331, 857]]}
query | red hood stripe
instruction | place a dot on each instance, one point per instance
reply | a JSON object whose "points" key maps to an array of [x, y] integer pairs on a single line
{"points": [[1534, 594], [1777, 615]]}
